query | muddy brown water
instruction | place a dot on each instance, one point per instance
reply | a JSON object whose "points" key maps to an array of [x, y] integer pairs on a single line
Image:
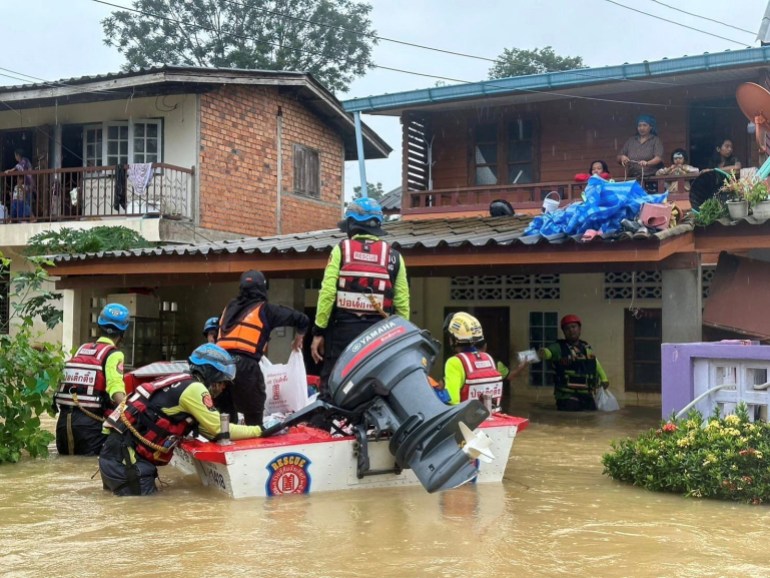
{"points": [[555, 514]]}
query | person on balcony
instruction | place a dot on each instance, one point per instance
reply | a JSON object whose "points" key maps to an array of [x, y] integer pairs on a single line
{"points": [[244, 330], [642, 154], [92, 386], [678, 168], [577, 371], [596, 168], [364, 281], [723, 157], [24, 191]]}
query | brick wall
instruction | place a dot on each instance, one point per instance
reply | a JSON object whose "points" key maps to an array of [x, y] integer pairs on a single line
{"points": [[239, 163]]}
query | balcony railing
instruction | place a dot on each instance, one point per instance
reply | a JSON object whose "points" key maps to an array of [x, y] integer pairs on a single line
{"points": [[72, 194], [528, 196]]}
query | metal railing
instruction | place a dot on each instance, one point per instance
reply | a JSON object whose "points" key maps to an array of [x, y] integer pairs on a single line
{"points": [[527, 196], [71, 194]]}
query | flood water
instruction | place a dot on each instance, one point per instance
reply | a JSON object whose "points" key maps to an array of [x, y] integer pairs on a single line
{"points": [[554, 515]]}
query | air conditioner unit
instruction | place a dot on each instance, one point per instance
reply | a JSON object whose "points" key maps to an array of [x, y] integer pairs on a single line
{"points": [[138, 305]]}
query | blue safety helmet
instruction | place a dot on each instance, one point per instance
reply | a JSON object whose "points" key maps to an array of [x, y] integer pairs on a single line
{"points": [[114, 318], [365, 215], [212, 363], [212, 324]]}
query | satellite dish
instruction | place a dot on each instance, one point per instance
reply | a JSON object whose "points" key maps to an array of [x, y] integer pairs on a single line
{"points": [[477, 445], [753, 100]]}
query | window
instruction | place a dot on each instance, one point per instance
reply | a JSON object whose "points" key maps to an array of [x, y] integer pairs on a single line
{"points": [[307, 171], [146, 142], [107, 144], [505, 152], [5, 296], [543, 330], [486, 154], [92, 146], [520, 169]]}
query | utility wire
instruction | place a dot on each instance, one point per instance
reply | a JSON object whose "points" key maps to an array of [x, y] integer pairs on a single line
{"points": [[403, 71], [705, 18], [676, 23], [360, 33]]}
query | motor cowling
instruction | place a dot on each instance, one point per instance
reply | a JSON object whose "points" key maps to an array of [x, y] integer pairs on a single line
{"points": [[383, 377]]}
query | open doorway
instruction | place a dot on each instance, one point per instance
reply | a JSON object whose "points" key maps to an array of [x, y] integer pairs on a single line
{"points": [[495, 322], [643, 338], [712, 121]]}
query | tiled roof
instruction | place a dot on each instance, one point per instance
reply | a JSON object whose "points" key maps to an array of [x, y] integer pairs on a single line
{"points": [[431, 233]]}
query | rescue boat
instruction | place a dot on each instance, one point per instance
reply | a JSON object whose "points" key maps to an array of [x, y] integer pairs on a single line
{"points": [[389, 429], [307, 460]]}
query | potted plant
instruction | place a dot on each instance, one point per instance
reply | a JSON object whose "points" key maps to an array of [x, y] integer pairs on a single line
{"points": [[734, 192], [757, 197]]}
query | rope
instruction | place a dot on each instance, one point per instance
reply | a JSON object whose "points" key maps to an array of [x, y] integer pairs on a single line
{"points": [[84, 410], [70, 436], [139, 436], [377, 307]]}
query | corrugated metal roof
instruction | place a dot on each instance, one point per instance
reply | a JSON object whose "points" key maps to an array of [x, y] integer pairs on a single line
{"points": [[430, 234], [553, 81], [391, 200], [151, 80]]}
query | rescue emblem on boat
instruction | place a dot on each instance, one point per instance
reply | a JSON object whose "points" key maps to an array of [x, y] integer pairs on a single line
{"points": [[287, 474]]}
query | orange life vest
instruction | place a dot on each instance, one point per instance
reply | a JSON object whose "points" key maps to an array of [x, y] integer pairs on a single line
{"points": [[247, 335]]}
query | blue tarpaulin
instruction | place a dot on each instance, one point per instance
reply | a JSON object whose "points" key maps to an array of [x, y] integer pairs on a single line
{"points": [[605, 204]]}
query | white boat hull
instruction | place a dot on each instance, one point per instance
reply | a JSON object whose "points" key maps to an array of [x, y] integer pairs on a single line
{"points": [[308, 460]]}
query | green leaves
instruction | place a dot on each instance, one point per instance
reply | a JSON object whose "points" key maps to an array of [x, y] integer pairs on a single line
{"points": [[516, 62], [331, 39], [75, 241], [29, 370], [725, 459]]}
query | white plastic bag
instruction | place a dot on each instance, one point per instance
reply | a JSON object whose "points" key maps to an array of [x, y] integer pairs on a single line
{"points": [[285, 384], [605, 401]]}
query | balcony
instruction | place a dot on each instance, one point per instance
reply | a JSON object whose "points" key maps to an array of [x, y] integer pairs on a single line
{"points": [[88, 193], [526, 198]]}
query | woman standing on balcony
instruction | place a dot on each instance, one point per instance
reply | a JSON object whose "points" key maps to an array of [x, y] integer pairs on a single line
{"points": [[24, 194], [642, 154]]}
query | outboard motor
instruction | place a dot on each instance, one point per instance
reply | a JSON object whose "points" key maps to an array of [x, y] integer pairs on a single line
{"points": [[381, 381]]}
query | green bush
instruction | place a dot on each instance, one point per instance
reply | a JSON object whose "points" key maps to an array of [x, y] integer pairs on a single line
{"points": [[75, 241], [29, 370], [725, 459]]}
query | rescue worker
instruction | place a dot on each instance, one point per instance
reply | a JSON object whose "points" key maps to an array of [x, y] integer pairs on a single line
{"points": [[210, 329], [244, 330], [145, 429], [92, 386], [577, 371], [471, 373], [364, 281]]}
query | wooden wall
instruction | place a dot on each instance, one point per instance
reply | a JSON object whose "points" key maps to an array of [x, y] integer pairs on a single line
{"points": [[575, 132]]}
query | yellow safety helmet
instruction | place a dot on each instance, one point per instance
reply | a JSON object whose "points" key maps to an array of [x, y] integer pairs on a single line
{"points": [[465, 328]]}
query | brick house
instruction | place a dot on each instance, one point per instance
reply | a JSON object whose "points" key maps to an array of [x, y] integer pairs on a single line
{"points": [[230, 153]]}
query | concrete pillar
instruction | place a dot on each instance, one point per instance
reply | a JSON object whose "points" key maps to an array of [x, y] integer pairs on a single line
{"points": [[71, 322], [682, 302]]}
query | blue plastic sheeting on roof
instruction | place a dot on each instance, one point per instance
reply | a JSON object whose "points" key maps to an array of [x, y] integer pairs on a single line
{"points": [[605, 205]]}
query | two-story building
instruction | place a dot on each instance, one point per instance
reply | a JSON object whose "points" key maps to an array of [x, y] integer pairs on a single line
{"points": [[518, 139], [178, 154]]}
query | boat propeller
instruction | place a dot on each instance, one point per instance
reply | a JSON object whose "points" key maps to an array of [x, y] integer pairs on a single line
{"points": [[476, 445]]}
